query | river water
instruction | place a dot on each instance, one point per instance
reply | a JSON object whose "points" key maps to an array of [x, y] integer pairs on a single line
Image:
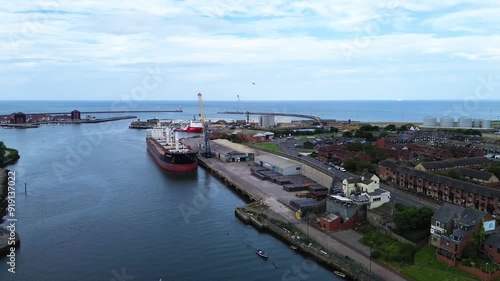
{"points": [[98, 208]]}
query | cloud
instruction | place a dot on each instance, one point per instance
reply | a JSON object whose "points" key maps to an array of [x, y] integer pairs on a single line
{"points": [[226, 42]]}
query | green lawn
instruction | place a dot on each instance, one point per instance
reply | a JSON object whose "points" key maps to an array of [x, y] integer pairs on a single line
{"points": [[268, 145], [427, 267]]}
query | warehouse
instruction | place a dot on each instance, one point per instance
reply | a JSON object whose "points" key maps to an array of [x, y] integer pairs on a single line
{"points": [[280, 165]]}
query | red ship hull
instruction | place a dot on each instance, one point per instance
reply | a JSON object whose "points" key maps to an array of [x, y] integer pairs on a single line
{"points": [[176, 167], [190, 130]]}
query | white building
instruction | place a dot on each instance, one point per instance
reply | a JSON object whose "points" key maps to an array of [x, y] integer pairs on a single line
{"points": [[267, 121], [378, 198], [364, 184]]}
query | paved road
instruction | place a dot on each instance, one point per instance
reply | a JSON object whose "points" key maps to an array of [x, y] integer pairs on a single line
{"points": [[270, 193], [336, 245], [397, 196]]}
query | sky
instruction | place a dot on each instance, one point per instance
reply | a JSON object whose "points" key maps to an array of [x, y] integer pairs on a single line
{"points": [[257, 50]]}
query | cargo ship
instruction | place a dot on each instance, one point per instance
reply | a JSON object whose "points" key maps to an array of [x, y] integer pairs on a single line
{"points": [[169, 153], [194, 126]]}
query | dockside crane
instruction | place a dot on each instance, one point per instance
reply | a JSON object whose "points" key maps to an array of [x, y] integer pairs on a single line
{"points": [[207, 152], [247, 113]]}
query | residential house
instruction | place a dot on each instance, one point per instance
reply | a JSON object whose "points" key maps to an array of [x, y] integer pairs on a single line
{"points": [[491, 246], [442, 222], [440, 188], [451, 245], [479, 176], [365, 183], [452, 164]]}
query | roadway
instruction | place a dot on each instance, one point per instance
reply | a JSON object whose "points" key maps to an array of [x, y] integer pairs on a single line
{"points": [[397, 196]]}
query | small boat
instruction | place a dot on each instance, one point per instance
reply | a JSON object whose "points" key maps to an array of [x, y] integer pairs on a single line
{"points": [[293, 247], [262, 254], [338, 273]]}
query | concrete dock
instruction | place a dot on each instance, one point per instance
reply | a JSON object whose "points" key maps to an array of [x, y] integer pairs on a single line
{"points": [[237, 175]]}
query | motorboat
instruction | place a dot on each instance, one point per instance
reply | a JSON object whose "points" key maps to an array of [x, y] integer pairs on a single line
{"points": [[340, 274], [261, 254]]}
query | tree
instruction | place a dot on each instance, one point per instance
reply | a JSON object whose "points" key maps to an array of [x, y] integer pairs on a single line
{"points": [[390, 127], [2, 152], [347, 134], [334, 130]]}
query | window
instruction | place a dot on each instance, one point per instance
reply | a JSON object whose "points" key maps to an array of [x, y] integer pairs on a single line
{"points": [[376, 199], [438, 224], [298, 168]]}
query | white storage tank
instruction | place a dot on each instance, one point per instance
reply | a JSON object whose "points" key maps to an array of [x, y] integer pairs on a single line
{"points": [[486, 124], [476, 123], [447, 122], [465, 122], [429, 121]]}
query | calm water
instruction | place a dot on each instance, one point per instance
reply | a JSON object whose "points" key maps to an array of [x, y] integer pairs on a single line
{"points": [[97, 204], [407, 111]]}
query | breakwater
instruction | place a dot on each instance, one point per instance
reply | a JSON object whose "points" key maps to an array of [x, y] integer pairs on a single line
{"points": [[65, 122]]}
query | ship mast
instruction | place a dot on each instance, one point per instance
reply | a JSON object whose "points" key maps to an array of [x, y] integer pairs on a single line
{"points": [[207, 153]]}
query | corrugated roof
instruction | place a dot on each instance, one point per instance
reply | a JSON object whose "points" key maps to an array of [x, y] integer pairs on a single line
{"points": [[234, 146], [277, 161]]}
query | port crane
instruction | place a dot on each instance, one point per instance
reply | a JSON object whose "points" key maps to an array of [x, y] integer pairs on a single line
{"points": [[207, 151], [243, 109]]}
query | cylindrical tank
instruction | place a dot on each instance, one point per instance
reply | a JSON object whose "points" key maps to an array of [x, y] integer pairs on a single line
{"points": [[465, 122], [486, 124], [430, 121], [447, 122], [476, 123]]}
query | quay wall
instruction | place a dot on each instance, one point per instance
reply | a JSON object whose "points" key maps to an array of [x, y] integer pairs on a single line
{"points": [[332, 260]]}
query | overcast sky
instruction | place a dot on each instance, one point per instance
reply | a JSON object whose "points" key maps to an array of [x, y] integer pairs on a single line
{"points": [[259, 49]]}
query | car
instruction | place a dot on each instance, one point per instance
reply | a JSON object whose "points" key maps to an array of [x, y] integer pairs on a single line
{"points": [[342, 169]]}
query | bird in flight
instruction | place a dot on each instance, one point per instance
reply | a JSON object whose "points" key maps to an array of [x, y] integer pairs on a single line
{"points": [[253, 83]]}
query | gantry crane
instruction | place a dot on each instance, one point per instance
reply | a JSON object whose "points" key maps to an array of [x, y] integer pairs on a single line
{"points": [[207, 152]]}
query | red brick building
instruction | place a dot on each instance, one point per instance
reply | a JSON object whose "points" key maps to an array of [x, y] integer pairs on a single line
{"points": [[439, 188]]}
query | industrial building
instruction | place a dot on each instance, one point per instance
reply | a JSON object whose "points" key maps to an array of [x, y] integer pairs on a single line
{"points": [[463, 122], [231, 152], [267, 121], [280, 165]]}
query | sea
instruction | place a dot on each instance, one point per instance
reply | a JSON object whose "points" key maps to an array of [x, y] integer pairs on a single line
{"points": [[91, 204]]}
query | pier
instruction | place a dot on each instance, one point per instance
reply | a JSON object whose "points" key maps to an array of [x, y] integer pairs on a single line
{"points": [[107, 111], [272, 113]]}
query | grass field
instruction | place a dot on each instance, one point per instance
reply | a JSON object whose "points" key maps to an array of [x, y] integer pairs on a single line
{"points": [[268, 145], [427, 267]]}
